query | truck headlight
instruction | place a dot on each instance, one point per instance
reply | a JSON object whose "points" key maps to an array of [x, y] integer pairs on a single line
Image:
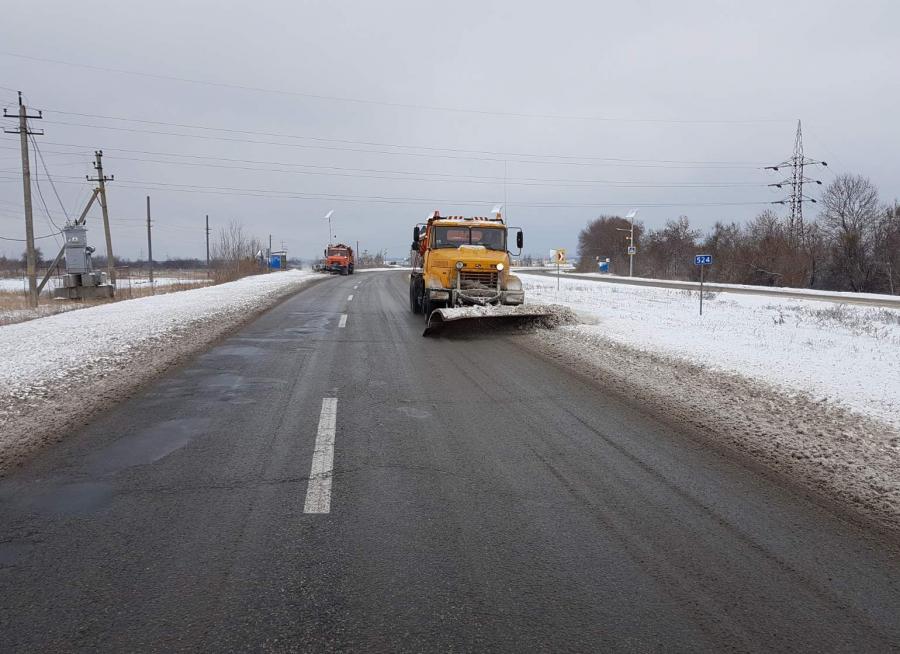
{"points": [[500, 267], [459, 265]]}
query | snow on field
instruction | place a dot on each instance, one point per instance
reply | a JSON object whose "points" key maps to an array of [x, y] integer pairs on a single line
{"points": [[841, 353], [38, 352]]}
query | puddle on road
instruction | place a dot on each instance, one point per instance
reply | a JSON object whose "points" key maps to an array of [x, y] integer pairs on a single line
{"points": [[59, 495], [237, 351], [74, 498], [309, 323], [147, 446], [12, 552]]}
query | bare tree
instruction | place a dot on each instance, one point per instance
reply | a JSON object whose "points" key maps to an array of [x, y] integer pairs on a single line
{"points": [[887, 249], [668, 252], [234, 253], [602, 237], [849, 218]]}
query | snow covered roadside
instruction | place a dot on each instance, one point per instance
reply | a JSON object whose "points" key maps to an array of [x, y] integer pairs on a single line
{"points": [[808, 388], [59, 370]]}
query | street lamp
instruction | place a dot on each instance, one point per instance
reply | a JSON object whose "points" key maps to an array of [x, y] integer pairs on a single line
{"points": [[632, 250], [328, 218]]}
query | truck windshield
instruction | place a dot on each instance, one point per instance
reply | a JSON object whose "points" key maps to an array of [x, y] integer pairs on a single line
{"points": [[493, 238], [336, 252]]}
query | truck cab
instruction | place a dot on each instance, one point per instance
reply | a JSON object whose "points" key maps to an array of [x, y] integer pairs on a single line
{"points": [[460, 261], [339, 259]]}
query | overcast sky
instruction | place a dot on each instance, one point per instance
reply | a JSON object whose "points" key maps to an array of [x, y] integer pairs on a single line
{"points": [[385, 111]]}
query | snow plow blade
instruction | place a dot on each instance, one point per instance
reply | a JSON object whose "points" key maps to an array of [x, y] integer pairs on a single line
{"points": [[490, 316]]}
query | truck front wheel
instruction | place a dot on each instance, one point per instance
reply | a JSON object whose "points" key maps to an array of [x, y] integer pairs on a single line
{"points": [[414, 303]]}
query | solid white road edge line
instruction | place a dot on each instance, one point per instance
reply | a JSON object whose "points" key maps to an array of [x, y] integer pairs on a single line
{"points": [[318, 493], [350, 298], [343, 322]]}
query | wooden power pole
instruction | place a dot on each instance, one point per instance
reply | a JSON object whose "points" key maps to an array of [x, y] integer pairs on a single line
{"points": [[149, 244], [110, 259], [30, 258]]}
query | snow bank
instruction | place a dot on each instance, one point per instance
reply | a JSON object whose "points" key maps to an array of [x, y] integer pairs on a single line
{"points": [[120, 344], [833, 352]]}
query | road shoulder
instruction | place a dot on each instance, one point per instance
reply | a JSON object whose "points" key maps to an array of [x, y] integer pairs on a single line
{"points": [[849, 462]]}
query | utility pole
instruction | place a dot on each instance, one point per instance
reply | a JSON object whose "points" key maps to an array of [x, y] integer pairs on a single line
{"points": [[149, 244], [207, 246], [30, 259], [269, 255], [632, 249], [98, 166], [797, 163]]}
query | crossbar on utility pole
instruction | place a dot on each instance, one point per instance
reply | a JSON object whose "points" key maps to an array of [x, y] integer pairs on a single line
{"points": [[30, 258], [102, 179]]}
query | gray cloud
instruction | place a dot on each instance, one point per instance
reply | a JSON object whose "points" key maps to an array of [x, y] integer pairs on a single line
{"points": [[755, 66]]}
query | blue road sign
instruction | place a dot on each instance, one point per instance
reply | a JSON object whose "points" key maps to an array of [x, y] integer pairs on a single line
{"points": [[702, 259]]}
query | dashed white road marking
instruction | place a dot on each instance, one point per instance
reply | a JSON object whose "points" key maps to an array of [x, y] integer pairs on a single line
{"points": [[356, 287], [350, 298], [343, 322], [318, 493]]}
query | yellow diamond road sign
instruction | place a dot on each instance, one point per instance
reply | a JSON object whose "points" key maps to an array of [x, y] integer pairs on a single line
{"points": [[559, 256]]}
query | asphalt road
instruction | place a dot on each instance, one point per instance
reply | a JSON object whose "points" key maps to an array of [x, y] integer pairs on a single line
{"points": [[886, 301], [482, 498]]}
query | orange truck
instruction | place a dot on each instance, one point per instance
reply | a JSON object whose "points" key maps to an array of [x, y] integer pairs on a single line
{"points": [[339, 259]]}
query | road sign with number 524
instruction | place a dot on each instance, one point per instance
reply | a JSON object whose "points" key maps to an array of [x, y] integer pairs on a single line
{"points": [[702, 259]]}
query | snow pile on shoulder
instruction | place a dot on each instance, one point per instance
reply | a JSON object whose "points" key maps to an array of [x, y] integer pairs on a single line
{"points": [[838, 353], [809, 388], [59, 369]]}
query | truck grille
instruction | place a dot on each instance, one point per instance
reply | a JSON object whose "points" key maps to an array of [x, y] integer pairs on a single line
{"points": [[478, 279]]}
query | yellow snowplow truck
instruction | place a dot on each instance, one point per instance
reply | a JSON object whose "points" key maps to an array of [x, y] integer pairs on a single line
{"points": [[461, 271]]}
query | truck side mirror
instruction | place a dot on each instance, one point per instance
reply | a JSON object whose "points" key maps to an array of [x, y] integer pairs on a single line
{"points": [[520, 239], [416, 234]]}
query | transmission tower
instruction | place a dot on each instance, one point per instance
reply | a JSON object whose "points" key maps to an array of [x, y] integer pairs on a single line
{"points": [[797, 164]]}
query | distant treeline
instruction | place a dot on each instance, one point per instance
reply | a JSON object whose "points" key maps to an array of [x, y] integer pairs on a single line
{"points": [[852, 244]]}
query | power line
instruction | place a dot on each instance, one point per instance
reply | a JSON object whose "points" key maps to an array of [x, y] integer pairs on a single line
{"points": [[23, 240], [429, 155], [52, 185], [288, 195], [392, 145], [528, 181], [397, 105]]}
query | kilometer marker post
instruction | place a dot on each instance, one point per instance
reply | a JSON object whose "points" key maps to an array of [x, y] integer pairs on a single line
{"points": [[702, 260]]}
